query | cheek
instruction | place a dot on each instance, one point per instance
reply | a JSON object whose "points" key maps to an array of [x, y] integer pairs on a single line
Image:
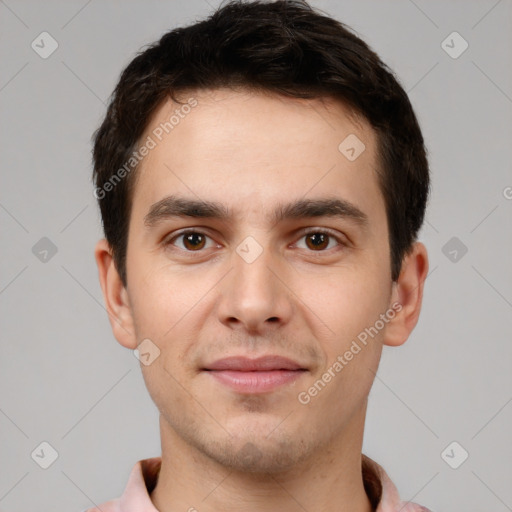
{"points": [[351, 307], [160, 297], [347, 301], [163, 385], [170, 308]]}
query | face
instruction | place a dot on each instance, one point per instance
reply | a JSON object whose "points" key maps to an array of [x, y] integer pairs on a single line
{"points": [[254, 293]]}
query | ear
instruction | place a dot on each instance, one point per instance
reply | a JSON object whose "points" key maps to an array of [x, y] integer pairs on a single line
{"points": [[115, 296], [407, 295]]}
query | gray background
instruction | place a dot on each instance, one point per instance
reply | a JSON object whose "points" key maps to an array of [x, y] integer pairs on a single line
{"points": [[65, 380]]}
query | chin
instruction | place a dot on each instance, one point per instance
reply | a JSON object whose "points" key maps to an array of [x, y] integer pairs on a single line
{"points": [[256, 456], [256, 445]]}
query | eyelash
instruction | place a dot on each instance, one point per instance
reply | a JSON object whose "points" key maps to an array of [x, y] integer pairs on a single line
{"points": [[323, 231]]}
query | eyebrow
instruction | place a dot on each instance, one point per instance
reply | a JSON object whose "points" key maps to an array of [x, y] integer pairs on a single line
{"points": [[179, 207]]}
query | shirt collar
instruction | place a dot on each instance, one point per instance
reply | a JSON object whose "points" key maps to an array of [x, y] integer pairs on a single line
{"points": [[381, 491]]}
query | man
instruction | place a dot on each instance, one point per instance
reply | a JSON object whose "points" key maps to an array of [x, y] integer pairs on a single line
{"points": [[262, 180]]}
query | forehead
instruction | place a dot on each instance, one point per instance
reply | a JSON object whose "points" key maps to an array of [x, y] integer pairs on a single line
{"points": [[251, 150]]}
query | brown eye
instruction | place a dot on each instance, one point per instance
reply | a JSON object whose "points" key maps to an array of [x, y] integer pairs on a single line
{"points": [[193, 241], [317, 241], [190, 241], [320, 240]]}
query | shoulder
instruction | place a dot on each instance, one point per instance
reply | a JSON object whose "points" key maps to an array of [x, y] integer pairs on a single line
{"points": [[382, 491], [409, 506], [108, 506]]}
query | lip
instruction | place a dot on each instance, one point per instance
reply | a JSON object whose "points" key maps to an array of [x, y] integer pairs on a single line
{"points": [[260, 375], [259, 364]]}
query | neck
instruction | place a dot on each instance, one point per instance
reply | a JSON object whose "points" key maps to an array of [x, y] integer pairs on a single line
{"points": [[330, 480]]}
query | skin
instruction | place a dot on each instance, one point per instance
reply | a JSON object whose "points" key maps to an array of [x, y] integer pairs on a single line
{"points": [[223, 450]]}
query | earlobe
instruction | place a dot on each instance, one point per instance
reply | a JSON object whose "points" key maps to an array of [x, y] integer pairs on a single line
{"points": [[408, 293], [115, 296]]}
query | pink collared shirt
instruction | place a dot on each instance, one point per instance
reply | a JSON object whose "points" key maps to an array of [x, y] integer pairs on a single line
{"points": [[136, 496]]}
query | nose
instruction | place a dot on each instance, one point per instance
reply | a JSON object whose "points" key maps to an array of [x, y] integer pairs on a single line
{"points": [[254, 297]]}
